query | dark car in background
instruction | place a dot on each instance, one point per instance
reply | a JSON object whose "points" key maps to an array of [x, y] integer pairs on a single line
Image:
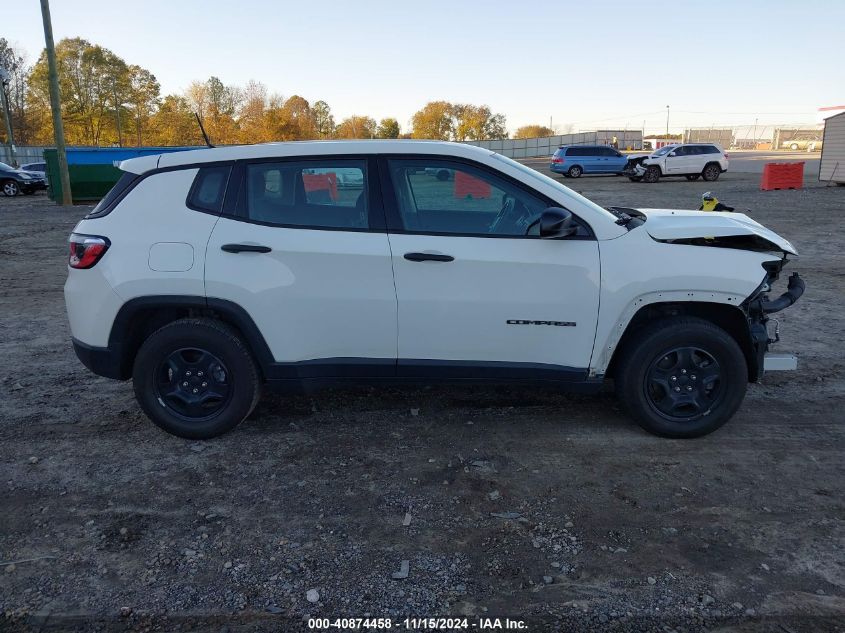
{"points": [[14, 181], [575, 160], [36, 168]]}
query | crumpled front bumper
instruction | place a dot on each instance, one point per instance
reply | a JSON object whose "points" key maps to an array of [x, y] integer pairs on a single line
{"points": [[634, 170], [758, 310]]}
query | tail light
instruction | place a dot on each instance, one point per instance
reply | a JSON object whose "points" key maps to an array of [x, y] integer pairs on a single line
{"points": [[86, 250], [557, 159]]}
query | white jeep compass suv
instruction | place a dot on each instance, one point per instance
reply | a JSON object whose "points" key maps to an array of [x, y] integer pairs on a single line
{"points": [[205, 275]]}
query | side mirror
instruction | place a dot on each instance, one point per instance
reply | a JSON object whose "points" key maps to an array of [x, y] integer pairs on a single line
{"points": [[556, 223]]}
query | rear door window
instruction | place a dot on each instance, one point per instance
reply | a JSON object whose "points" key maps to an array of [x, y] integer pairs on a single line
{"points": [[325, 193]]}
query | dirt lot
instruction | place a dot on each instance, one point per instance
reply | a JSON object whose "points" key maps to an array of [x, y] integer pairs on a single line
{"points": [[122, 527]]}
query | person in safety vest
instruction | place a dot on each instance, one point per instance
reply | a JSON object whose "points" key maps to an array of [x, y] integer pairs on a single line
{"points": [[709, 202]]}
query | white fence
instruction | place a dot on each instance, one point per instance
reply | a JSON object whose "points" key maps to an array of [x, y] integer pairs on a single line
{"points": [[546, 145]]}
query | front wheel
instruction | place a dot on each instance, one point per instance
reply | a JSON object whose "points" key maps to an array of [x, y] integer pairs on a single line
{"points": [[793, 147], [195, 378], [682, 377], [10, 188], [652, 174]]}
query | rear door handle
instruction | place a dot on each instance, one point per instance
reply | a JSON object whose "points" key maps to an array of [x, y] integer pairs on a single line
{"points": [[245, 248], [428, 257]]}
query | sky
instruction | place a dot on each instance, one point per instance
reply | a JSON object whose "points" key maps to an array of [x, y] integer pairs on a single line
{"points": [[595, 64]]}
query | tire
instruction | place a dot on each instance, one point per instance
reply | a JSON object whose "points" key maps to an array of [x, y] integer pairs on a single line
{"points": [[443, 175], [700, 402], [575, 171], [692, 177], [10, 188], [652, 174], [635, 178], [793, 147], [196, 356], [711, 172]]}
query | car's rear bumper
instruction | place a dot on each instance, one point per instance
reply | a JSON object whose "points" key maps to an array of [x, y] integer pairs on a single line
{"points": [[103, 361]]}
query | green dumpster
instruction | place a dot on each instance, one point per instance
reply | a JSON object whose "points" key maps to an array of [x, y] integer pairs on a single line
{"points": [[88, 183], [91, 169]]}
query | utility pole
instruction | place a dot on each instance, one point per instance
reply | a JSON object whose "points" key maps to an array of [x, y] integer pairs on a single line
{"points": [[117, 111], [4, 79], [55, 103], [667, 122]]}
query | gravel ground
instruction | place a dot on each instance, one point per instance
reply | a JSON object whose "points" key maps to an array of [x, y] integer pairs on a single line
{"points": [[505, 502]]}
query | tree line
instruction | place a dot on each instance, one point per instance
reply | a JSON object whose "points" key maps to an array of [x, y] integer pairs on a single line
{"points": [[107, 101]]}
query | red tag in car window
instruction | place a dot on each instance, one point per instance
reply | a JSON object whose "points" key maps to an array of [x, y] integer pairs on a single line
{"points": [[467, 186], [321, 182]]}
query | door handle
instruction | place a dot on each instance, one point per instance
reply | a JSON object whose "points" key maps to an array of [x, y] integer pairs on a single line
{"points": [[428, 257], [245, 248]]}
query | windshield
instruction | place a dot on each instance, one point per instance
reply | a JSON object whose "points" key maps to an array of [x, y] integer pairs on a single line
{"points": [[554, 183], [664, 150]]}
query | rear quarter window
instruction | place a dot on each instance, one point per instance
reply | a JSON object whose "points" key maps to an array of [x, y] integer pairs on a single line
{"points": [[209, 188]]}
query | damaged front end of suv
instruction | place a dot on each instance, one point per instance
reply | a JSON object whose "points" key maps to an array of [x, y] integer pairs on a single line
{"points": [[757, 308], [737, 231]]}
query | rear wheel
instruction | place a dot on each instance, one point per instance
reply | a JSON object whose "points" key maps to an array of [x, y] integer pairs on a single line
{"points": [[682, 377], [711, 172], [10, 188], [575, 171], [195, 378], [692, 177], [652, 174], [794, 146]]}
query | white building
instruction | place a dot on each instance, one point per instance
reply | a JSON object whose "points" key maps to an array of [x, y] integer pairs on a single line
{"points": [[832, 167]]}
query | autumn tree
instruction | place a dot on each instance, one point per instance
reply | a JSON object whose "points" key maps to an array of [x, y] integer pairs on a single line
{"points": [[434, 121], [174, 123], [143, 99], [216, 104], [356, 127], [445, 121], [251, 116], [533, 131], [91, 79], [388, 128], [476, 123], [323, 119], [15, 63]]}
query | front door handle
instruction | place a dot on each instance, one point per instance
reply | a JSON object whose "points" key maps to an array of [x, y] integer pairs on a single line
{"points": [[428, 257], [245, 248]]}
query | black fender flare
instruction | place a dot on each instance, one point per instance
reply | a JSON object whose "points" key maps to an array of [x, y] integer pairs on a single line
{"points": [[124, 341]]}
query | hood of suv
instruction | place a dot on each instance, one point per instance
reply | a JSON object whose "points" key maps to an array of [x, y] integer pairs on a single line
{"points": [[667, 225]]}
